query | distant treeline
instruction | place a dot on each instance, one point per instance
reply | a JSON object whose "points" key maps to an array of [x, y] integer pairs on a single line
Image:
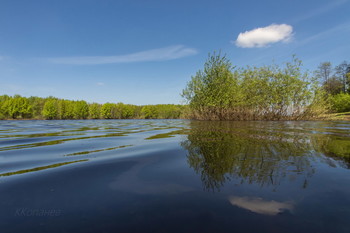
{"points": [[221, 91], [51, 108], [336, 82]]}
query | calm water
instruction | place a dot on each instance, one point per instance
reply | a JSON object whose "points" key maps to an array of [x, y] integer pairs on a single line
{"points": [[174, 176]]}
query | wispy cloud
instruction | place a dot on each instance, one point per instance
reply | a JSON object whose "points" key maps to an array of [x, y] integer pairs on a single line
{"points": [[100, 84], [161, 54], [5, 88], [12, 89], [261, 37], [336, 31], [319, 11]]}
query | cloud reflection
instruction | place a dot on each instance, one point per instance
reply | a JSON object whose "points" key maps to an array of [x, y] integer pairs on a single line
{"points": [[260, 206]]}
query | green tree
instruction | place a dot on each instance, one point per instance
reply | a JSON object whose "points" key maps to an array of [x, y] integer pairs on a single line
{"points": [[324, 74], [61, 109], [18, 107], [341, 71], [94, 110], [149, 112], [334, 86], [341, 102], [108, 111], [137, 112], [253, 93], [119, 111], [37, 104], [168, 111], [128, 111], [4, 106], [50, 110], [68, 109], [324, 71], [81, 109], [210, 92]]}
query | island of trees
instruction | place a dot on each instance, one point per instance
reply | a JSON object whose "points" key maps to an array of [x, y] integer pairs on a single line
{"points": [[220, 91], [223, 92]]}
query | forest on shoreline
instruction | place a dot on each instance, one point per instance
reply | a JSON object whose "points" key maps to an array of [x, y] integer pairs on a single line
{"points": [[220, 91], [51, 108]]}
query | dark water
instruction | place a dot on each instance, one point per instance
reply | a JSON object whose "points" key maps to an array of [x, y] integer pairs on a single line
{"points": [[174, 176]]}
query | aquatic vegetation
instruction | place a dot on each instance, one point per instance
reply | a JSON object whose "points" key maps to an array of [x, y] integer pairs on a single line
{"points": [[40, 168], [95, 151]]}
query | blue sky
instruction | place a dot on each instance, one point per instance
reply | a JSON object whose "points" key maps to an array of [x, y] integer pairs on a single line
{"points": [[144, 51]]}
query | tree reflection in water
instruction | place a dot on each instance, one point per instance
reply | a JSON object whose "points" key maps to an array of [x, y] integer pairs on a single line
{"points": [[260, 152]]}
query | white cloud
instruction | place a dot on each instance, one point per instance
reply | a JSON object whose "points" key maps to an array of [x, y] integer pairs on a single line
{"points": [[100, 84], [260, 37], [161, 54]]}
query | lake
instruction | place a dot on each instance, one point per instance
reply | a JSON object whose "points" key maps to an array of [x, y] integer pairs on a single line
{"points": [[174, 176]]}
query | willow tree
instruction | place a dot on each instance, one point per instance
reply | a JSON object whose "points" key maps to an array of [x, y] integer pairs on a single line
{"points": [[81, 109], [17, 107], [221, 92], [213, 90], [108, 111], [94, 110], [50, 110]]}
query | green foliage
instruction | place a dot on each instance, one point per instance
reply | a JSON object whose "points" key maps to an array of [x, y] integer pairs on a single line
{"points": [[342, 72], [16, 107], [37, 104], [340, 102], [213, 88], [3, 107], [94, 111], [149, 112], [123, 111], [324, 71], [253, 93], [128, 111], [334, 80], [108, 111], [50, 110], [81, 110], [162, 111], [333, 86], [169, 111], [66, 108]]}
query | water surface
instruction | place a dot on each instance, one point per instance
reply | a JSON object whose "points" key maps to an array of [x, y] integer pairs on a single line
{"points": [[174, 176]]}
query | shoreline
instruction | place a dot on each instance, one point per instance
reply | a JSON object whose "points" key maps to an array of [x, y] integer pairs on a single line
{"points": [[333, 118]]}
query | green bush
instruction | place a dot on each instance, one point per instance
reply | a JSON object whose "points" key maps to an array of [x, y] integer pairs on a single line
{"points": [[340, 102], [221, 92]]}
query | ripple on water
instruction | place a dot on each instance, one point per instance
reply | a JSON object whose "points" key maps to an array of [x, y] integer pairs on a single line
{"points": [[174, 176]]}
